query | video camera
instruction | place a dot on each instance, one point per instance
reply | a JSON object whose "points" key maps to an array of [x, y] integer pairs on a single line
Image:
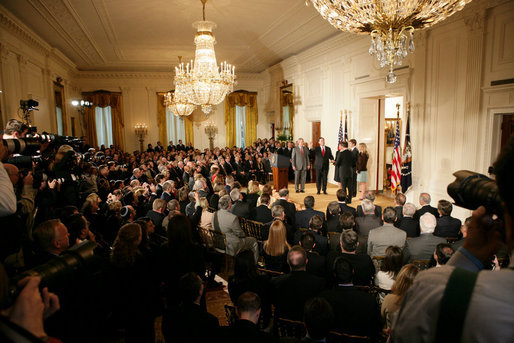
{"points": [[31, 145], [28, 105], [54, 273]]}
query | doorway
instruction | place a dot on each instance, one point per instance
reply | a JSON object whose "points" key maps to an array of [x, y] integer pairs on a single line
{"points": [[316, 134]]}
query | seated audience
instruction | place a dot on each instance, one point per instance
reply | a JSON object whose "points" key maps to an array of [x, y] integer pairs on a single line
{"points": [[206, 218], [341, 200], [356, 312], [399, 202], [262, 213], [464, 233], [368, 221], [239, 207], [291, 291], [390, 268], [315, 227], [333, 223], [303, 217], [278, 213], [447, 226], [315, 262], [51, 238], [408, 223], [442, 254], [422, 247], [370, 195], [382, 237], [267, 189], [190, 322], [253, 194], [275, 248], [289, 207], [156, 214], [424, 201], [392, 302]]}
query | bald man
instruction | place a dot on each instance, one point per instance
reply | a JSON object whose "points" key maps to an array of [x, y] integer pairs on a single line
{"points": [[292, 290]]}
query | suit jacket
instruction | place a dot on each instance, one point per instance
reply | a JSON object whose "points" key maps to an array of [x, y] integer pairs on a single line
{"points": [[156, 218], [363, 267], [399, 215], [316, 264], [422, 247], [227, 168], [291, 291], [425, 209], [355, 155], [321, 247], [410, 226], [333, 224], [345, 163], [363, 225], [299, 161], [167, 196], [447, 227], [320, 161], [344, 208], [303, 217], [382, 237], [289, 209], [289, 228], [189, 323], [229, 225], [378, 212], [356, 312], [240, 209], [262, 214], [245, 331]]}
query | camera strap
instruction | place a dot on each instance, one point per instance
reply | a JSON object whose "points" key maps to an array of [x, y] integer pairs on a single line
{"points": [[454, 305]]}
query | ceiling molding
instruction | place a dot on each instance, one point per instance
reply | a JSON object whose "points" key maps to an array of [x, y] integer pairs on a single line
{"points": [[123, 75], [101, 10]]}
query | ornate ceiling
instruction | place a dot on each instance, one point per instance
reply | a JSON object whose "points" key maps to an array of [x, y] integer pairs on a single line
{"points": [[148, 35]]}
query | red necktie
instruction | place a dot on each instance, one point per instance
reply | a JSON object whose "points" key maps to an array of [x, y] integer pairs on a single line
{"points": [[302, 151], [323, 151]]}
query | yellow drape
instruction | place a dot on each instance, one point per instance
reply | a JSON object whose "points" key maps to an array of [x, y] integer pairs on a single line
{"points": [[241, 98], [104, 99], [190, 135], [161, 119]]}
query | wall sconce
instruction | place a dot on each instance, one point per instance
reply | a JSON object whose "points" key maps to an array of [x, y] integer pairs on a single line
{"points": [[211, 130], [141, 130], [81, 106]]}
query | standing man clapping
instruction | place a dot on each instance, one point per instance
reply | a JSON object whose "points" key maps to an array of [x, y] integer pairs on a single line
{"points": [[300, 163]]}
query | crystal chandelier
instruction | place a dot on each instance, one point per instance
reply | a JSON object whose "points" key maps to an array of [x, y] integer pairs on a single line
{"points": [[201, 81], [391, 23], [177, 103]]}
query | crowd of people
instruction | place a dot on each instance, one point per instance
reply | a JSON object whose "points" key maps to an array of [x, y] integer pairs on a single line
{"points": [[146, 213]]}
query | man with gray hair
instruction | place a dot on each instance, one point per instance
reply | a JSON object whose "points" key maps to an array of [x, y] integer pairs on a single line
{"points": [[422, 247], [239, 207], [370, 195], [300, 164], [408, 223], [382, 237], [424, 201], [278, 213], [289, 207], [228, 223], [166, 191], [364, 224]]}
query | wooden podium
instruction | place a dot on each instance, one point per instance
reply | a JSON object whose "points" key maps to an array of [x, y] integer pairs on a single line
{"points": [[280, 167]]}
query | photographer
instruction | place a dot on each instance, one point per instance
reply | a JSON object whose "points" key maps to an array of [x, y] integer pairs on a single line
{"points": [[461, 302], [15, 129], [7, 196], [25, 194]]}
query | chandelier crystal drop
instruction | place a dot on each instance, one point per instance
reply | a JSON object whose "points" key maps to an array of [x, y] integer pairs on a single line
{"points": [[177, 103], [391, 23], [202, 81]]}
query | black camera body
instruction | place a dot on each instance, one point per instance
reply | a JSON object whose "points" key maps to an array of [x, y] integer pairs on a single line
{"points": [[28, 105]]}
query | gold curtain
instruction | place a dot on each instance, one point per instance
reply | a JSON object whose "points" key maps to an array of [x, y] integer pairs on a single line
{"points": [[190, 135], [104, 99], [241, 98], [161, 119], [286, 99]]}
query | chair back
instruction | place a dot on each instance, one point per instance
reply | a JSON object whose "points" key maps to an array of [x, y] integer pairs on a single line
{"points": [[377, 262], [334, 239], [271, 273], [206, 237], [253, 229], [342, 337], [421, 264], [290, 328], [220, 241], [230, 313]]}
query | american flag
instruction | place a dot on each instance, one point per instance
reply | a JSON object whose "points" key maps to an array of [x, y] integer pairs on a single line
{"points": [[407, 158], [345, 127], [396, 174], [340, 136]]}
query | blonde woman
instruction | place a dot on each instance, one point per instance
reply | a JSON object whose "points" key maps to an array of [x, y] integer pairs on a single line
{"points": [[266, 189], [362, 169], [253, 193], [392, 302], [206, 219], [276, 248]]}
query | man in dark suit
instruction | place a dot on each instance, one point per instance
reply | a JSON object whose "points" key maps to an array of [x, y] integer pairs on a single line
{"points": [[315, 226], [356, 312], [333, 214], [424, 201], [355, 153], [370, 195], [422, 247], [166, 195], [262, 213], [447, 226], [291, 291], [363, 267], [225, 167], [180, 146], [170, 146], [156, 214], [245, 329], [322, 156], [341, 200], [289, 207], [303, 217], [399, 201], [315, 262], [344, 162], [407, 223], [369, 221], [189, 322], [278, 213], [239, 208]]}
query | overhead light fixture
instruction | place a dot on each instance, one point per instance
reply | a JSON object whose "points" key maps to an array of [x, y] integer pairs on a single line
{"points": [[391, 23], [177, 102], [201, 81]]}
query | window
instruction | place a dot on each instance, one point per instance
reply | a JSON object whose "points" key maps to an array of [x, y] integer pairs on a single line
{"points": [[58, 112], [103, 125], [285, 120], [175, 128], [240, 126]]}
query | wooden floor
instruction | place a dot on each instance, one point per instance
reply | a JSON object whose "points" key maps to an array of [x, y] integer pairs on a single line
{"points": [[217, 298]]}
